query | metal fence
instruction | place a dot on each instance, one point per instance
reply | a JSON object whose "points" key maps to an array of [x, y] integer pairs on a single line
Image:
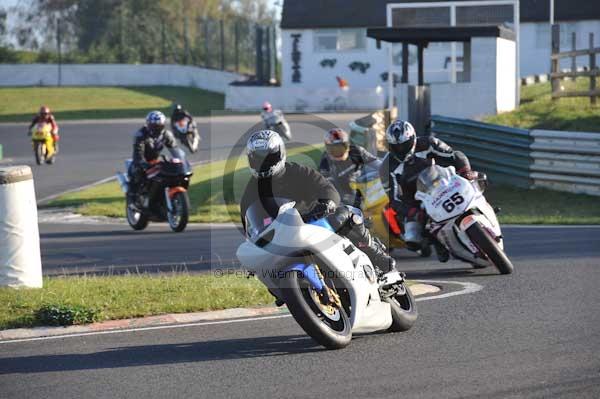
{"points": [[234, 44], [501, 152], [564, 161]]}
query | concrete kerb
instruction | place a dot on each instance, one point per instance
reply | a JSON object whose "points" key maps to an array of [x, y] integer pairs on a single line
{"points": [[418, 289]]}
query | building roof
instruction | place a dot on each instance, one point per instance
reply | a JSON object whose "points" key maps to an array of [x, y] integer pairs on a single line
{"points": [[438, 34], [309, 14]]}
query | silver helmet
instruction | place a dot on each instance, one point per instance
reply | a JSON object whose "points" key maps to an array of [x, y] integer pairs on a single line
{"points": [[266, 154]]}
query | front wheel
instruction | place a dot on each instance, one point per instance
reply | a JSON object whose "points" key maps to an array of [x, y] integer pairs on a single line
{"points": [[490, 247], [137, 220], [39, 150], [325, 323], [404, 309], [179, 215]]}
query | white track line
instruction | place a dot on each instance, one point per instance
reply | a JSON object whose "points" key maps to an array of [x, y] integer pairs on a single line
{"points": [[469, 288]]}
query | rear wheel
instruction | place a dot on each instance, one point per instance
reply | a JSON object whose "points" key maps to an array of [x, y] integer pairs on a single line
{"points": [[137, 220], [490, 247], [404, 309], [39, 150], [326, 323], [178, 217]]}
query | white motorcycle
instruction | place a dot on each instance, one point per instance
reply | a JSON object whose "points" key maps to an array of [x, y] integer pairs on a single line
{"points": [[461, 219], [329, 286], [187, 133], [277, 123]]}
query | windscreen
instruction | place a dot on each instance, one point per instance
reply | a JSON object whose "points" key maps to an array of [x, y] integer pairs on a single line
{"points": [[261, 214], [432, 178]]}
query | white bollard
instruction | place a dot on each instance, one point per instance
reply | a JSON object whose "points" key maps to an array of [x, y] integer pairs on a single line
{"points": [[20, 259]]}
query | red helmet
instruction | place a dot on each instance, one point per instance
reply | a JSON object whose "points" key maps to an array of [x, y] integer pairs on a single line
{"points": [[337, 143], [44, 110], [267, 107]]}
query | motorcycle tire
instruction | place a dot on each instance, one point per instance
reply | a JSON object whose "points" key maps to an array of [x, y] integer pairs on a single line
{"points": [[404, 310], [137, 220], [332, 334], [179, 219], [490, 247], [38, 150]]}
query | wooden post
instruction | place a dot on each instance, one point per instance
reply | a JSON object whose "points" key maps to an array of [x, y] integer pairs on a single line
{"points": [[574, 59], [592, 69], [555, 61]]}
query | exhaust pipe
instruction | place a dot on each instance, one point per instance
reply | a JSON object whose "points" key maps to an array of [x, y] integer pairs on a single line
{"points": [[123, 182]]}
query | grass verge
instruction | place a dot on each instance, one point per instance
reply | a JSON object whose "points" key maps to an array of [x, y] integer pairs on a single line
{"points": [[80, 300], [539, 111], [206, 190], [542, 206], [19, 104], [519, 206]]}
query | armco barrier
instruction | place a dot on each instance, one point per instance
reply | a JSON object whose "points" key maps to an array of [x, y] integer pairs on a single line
{"points": [[501, 152], [564, 161]]}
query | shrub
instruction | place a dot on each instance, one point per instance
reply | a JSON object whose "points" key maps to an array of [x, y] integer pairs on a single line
{"points": [[66, 315]]}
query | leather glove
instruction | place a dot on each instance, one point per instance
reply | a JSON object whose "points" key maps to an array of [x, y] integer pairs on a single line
{"points": [[322, 208], [469, 174]]}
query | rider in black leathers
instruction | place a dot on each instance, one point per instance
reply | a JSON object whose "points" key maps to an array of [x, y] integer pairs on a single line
{"points": [[148, 143], [409, 155], [178, 114], [274, 177]]}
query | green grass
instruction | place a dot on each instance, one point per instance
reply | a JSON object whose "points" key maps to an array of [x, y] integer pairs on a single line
{"points": [[541, 206], [119, 297], [206, 190], [539, 111], [519, 205], [19, 104]]}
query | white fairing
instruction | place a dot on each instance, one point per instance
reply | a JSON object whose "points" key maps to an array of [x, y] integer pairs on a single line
{"points": [[368, 312], [450, 200]]}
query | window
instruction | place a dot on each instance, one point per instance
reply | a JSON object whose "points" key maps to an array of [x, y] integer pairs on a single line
{"points": [[340, 39]]}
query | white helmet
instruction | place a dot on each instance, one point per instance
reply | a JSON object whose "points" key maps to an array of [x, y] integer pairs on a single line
{"points": [[402, 139], [266, 154]]}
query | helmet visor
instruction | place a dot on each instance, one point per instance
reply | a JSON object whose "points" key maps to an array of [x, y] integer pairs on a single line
{"points": [[156, 128], [402, 150], [337, 150], [263, 163]]}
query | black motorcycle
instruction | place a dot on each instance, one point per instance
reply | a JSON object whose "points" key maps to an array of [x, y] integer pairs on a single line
{"points": [[164, 195]]}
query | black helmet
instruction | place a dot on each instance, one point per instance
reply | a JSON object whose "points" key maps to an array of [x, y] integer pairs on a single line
{"points": [[178, 107], [402, 139], [155, 122], [266, 154]]}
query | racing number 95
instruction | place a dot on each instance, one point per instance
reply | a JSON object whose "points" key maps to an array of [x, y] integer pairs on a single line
{"points": [[450, 203]]}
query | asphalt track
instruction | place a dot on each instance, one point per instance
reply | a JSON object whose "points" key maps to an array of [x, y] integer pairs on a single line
{"points": [[533, 334], [93, 150]]}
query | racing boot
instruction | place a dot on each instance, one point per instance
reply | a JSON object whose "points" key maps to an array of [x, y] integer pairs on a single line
{"points": [[376, 251], [441, 251]]}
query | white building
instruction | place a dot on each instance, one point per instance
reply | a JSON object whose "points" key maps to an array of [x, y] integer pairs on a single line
{"points": [[333, 33], [323, 40]]}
